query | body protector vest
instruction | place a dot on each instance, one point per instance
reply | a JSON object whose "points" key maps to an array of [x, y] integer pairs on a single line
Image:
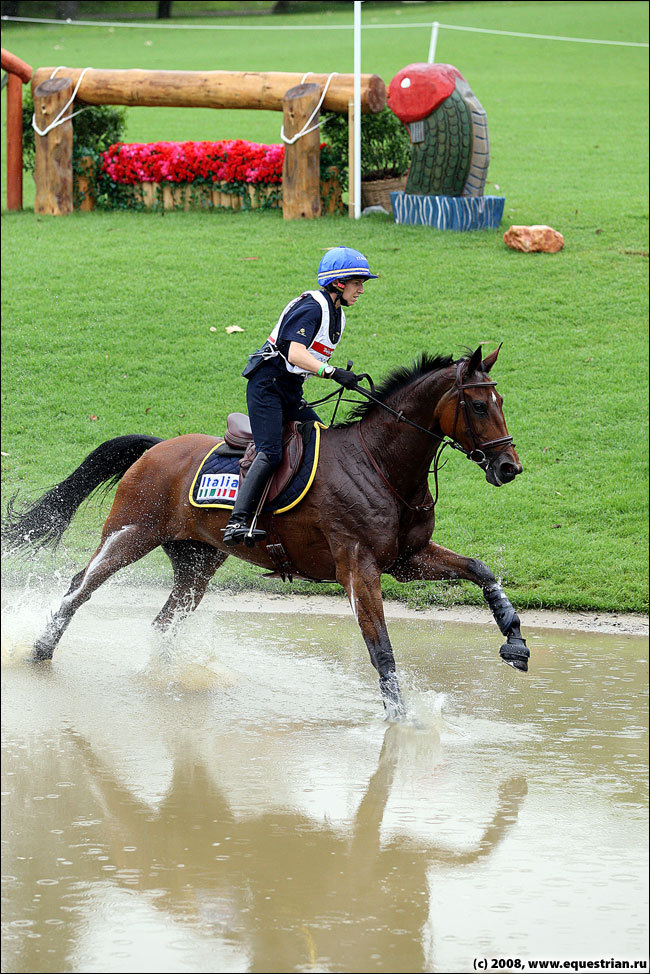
{"points": [[321, 347]]}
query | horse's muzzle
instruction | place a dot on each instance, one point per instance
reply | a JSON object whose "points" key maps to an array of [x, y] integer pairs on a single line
{"points": [[502, 470]]}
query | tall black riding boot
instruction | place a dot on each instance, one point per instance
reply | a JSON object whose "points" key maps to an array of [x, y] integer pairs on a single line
{"points": [[250, 492]]}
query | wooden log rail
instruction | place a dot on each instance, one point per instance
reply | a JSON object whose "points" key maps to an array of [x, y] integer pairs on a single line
{"points": [[214, 89], [19, 74]]}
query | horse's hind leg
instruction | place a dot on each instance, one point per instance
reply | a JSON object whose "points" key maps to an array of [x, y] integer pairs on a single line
{"points": [[194, 563], [117, 549]]}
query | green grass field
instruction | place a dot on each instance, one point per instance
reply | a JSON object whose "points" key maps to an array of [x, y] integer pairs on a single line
{"points": [[109, 314]]}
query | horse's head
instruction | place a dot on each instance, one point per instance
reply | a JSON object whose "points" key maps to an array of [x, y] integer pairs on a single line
{"points": [[471, 415]]}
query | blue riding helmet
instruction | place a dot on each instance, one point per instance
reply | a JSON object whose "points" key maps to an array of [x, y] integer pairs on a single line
{"points": [[341, 262]]}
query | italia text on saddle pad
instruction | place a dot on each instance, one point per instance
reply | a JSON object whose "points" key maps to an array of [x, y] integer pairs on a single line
{"points": [[216, 482]]}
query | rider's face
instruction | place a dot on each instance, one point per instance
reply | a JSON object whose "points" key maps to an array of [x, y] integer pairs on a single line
{"points": [[352, 290]]}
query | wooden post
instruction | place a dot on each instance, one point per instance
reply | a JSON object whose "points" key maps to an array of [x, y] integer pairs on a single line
{"points": [[301, 169], [53, 157], [352, 161], [19, 73], [14, 143], [85, 183]]}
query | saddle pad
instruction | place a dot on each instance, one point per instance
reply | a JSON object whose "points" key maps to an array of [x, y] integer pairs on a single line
{"points": [[216, 482]]}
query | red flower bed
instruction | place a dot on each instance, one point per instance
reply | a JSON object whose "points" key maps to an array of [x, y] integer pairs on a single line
{"points": [[230, 161]]}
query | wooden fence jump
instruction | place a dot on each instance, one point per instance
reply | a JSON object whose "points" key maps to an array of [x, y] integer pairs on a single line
{"points": [[269, 90]]}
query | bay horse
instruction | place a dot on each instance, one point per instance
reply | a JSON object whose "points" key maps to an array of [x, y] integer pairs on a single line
{"points": [[369, 509]]}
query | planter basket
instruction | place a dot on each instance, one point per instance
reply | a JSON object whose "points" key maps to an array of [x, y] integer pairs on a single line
{"points": [[376, 192], [187, 196]]}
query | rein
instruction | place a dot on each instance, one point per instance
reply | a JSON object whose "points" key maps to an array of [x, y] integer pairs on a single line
{"points": [[418, 507], [477, 454]]}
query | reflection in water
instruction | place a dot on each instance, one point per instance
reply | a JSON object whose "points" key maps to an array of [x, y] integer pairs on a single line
{"points": [[237, 805], [290, 893]]}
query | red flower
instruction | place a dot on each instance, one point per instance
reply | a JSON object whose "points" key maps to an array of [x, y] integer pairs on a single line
{"points": [[233, 161]]}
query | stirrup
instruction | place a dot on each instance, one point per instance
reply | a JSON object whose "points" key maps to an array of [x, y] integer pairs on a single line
{"points": [[234, 534], [252, 535]]}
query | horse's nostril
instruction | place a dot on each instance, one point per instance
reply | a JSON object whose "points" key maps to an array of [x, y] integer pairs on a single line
{"points": [[508, 471]]}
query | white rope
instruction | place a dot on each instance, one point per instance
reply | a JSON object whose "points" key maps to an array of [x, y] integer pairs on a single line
{"points": [[541, 37], [285, 27], [305, 130], [58, 120]]}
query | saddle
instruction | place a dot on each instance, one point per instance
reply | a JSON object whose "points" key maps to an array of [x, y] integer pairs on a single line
{"points": [[239, 437]]}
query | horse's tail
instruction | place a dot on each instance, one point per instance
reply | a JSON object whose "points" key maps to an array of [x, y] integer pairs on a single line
{"points": [[41, 525]]}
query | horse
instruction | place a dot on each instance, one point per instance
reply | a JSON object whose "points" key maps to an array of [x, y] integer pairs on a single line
{"points": [[369, 510]]}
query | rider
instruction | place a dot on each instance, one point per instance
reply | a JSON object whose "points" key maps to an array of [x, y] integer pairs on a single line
{"points": [[300, 345]]}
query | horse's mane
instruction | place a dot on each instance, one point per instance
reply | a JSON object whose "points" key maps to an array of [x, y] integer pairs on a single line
{"points": [[398, 379]]}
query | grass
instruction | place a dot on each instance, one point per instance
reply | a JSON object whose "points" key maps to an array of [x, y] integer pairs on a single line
{"points": [[109, 314]]}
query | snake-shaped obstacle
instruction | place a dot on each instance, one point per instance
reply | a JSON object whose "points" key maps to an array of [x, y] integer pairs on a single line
{"points": [[451, 150]]}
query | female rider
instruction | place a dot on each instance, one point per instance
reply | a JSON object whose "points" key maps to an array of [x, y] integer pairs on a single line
{"points": [[300, 346]]}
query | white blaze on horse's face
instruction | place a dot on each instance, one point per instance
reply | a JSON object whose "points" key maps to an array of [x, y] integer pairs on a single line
{"points": [[471, 415]]}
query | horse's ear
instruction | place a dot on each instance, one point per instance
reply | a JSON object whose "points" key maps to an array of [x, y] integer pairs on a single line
{"points": [[474, 362], [490, 359]]}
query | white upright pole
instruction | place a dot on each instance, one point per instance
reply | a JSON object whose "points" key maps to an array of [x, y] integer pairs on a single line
{"points": [[357, 109], [434, 42]]}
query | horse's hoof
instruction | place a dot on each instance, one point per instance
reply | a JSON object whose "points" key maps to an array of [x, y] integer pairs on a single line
{"points": [[394, 710], [395, 716], [516, 654], [516, 664], [40, 654]]}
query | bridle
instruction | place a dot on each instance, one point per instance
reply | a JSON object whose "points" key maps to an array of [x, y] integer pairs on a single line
{"points": [[477, 454]]}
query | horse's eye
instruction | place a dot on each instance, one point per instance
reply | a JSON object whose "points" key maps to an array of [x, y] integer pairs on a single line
{"points": [[479, 407]]}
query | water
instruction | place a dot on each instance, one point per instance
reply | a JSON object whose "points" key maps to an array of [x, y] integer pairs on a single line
{"points": [[230, 798]]}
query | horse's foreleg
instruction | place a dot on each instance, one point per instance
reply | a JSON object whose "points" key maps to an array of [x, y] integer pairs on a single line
{"points": [[118, 549], [194, 563], [361, 580], [435, 562]]}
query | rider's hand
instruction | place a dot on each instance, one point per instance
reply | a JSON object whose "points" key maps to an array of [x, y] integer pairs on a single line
{"points": [[345, 378]]}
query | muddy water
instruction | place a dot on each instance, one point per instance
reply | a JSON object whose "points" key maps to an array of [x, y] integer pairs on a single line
{"points": [[230, 799]]}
